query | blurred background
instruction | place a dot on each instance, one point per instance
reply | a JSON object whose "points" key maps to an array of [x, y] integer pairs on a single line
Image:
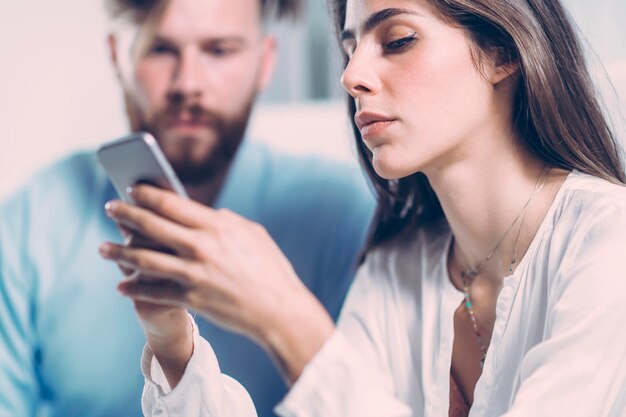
{"points": [[59, 94]]}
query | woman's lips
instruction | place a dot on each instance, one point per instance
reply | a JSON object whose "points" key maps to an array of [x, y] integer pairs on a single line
{"points": [[375, 128], [372, 124]]}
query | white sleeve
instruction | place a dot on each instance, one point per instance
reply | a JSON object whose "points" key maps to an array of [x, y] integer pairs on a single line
{"points": [[349, 376], [203, 390], [579, 370]]}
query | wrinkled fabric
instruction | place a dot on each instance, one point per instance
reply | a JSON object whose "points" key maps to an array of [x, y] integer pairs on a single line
{"points": [[558, 346]]}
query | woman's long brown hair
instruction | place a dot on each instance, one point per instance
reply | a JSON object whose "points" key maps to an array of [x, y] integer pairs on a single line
{"points": [[557, 115]]}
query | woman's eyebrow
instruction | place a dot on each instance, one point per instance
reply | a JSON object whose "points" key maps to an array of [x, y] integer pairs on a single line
{"points": [[376, 19]]}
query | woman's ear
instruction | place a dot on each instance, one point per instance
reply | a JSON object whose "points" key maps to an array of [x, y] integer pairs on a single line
{"points": [[501, 66], [503, 72]]}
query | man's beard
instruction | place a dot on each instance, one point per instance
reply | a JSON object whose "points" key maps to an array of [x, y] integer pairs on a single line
{"points": [[196, 159]]}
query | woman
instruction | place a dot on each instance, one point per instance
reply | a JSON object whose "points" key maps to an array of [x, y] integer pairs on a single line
{"points": [[492, 283]]}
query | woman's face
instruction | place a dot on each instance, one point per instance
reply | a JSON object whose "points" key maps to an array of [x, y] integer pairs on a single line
{"points": [[421, 101]]}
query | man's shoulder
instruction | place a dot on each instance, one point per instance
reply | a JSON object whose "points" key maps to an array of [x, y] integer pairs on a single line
{"points": [[294, 194], [310, 173], [66, 171], [283, 184], [67, 182]]}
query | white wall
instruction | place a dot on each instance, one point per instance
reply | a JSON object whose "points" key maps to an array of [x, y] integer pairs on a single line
{"points": [[602, 24], [58, 92]]}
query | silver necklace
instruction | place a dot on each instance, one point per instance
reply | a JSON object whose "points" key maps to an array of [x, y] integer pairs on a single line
{"points": [[467, 276]]}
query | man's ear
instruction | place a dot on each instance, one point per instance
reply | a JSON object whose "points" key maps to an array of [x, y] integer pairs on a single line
{"points": [[113, 45], [268, 61]]}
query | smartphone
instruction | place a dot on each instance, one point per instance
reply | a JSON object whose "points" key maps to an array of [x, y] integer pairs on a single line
{"points": [[132, 160], [136, 159]]}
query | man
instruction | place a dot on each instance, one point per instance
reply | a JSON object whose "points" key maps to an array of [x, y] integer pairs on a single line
{"points": [[190, 71]]}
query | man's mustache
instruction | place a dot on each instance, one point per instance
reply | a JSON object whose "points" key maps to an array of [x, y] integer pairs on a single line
{"points": [[194, 113]]}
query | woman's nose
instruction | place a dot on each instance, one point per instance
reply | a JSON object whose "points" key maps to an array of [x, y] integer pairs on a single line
{"points": [[358, 78]]}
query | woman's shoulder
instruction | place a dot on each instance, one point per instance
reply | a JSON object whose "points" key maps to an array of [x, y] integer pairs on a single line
{"points": [[588, 192], [589, 207], [589, 230]]}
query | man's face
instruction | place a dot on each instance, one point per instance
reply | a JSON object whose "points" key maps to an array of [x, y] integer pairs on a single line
{"points": [[192, 81]]}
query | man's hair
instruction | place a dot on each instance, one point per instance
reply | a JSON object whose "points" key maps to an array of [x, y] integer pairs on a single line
{"points": [[137, 11]]}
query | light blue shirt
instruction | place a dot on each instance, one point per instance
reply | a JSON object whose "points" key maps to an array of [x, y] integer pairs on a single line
{"points": [[70, 345]]}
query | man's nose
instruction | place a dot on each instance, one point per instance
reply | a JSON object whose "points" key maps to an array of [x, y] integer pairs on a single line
{"points": [[187, 77]]}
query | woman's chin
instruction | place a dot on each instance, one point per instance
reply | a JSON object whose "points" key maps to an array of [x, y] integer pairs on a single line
{"points": [[387, 167]]}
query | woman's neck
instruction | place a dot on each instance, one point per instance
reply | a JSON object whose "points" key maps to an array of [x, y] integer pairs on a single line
{"points": [[482, 197]]}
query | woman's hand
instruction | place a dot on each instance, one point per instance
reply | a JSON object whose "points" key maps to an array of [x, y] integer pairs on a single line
{"points": [[223, 266]]}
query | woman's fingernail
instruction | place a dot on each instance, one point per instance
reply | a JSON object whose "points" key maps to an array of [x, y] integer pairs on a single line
{"points": [[110, 207], [105, 251]]}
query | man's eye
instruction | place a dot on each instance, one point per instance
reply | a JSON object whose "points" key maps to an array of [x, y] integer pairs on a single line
{"points": [[401, 44], [220, 51], [161, 50]]}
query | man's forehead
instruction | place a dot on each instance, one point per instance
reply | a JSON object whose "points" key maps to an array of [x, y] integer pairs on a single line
{"points": [[209, 18]]}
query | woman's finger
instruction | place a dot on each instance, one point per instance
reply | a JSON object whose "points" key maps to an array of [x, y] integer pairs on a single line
{"points": [[151, 226], [178, 209], [161, 293], [150, 263]]}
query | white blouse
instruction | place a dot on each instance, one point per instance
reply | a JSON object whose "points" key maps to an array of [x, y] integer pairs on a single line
{"points": [[558, 346]]}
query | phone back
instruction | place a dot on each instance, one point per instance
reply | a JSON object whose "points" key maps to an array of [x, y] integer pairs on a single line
{"points": [[135, 159]]}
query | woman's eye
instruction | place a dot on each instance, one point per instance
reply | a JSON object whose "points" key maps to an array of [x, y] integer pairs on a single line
{"points": [[399, 45]]}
